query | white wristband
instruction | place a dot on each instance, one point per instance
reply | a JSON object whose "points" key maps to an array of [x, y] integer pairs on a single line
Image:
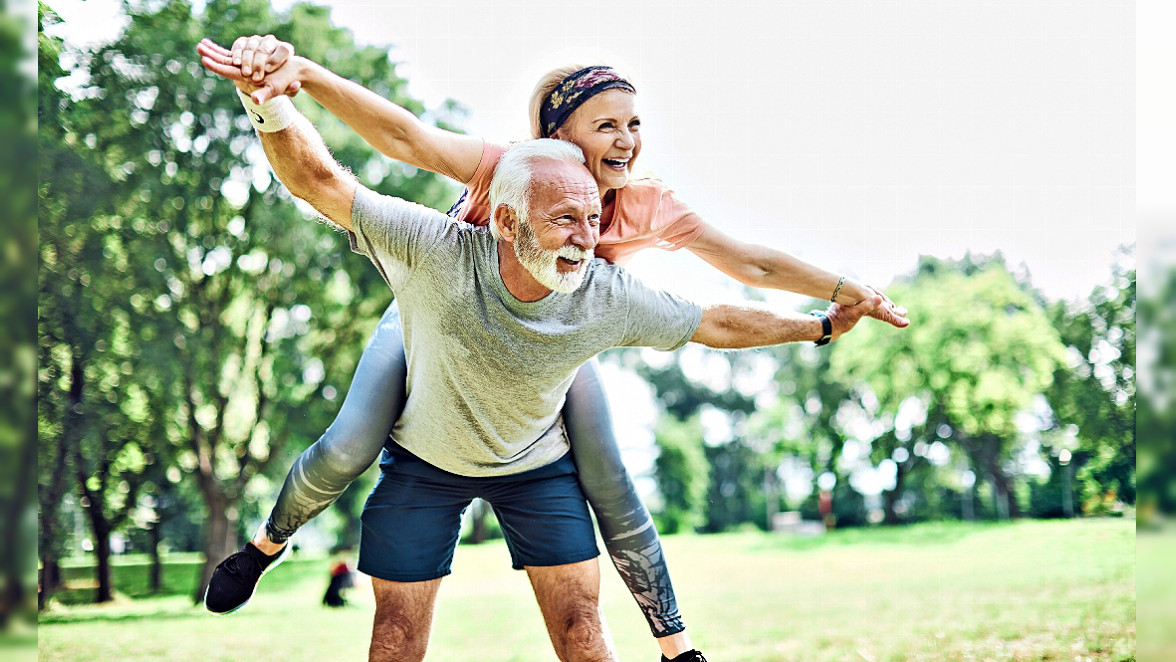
{"points": [[273, 115]]}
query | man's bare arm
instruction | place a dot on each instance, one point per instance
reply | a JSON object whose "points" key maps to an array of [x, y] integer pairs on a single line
{"points": [[728, 326], [302, 162], [300, 159]]}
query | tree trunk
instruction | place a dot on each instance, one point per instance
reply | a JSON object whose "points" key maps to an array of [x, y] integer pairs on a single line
{"points": [[891, 497], [1006, 500], [13, 558], [101, 529], [49, 576], [48, 580], [50, 495], [221, 539], [156, 558]]}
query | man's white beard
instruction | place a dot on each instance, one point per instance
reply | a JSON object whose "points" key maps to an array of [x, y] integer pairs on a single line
{"points": [[540, 262]]}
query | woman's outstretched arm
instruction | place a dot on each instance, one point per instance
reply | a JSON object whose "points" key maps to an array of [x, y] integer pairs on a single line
{"points": [[394, 131], [760, 266]]}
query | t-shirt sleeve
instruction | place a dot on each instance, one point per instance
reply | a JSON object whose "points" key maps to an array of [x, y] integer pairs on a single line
{"points": [[677, 223], [657, 319], [395, 234], [475, 208]]}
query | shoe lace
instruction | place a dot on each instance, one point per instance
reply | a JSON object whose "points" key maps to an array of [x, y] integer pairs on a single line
{"points": [[242, 564]]}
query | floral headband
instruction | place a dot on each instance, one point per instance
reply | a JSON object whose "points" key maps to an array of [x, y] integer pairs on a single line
{"points": [[574, 90]]}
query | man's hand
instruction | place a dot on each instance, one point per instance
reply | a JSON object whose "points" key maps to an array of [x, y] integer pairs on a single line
{"points": [[888, 311], [263, 74], [843, 318]]}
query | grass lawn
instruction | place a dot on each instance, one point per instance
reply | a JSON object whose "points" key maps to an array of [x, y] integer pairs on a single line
{"points": [[1059, 590]]}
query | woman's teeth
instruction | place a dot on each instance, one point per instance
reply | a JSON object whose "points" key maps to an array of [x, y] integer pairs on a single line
{"points": [[616, 163]]}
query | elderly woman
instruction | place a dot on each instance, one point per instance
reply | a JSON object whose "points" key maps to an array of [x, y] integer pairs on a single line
{"points": [[593, 107]]}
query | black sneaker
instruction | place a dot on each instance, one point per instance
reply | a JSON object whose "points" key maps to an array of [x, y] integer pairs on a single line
{"points": [[235, 579], [688, 656]]}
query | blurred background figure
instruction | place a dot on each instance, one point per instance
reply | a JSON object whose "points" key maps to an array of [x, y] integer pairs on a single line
{"points": [[342, 578]]}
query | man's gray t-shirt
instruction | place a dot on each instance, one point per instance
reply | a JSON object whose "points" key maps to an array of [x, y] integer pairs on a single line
{"points": [[487, 373]]}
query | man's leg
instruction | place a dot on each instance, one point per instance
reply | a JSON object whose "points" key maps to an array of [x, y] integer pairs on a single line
{"points": [[411, 523], [569, 597], [404, 617]]}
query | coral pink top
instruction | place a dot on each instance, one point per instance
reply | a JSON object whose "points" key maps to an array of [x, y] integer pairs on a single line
{"points": [[643, 213]]}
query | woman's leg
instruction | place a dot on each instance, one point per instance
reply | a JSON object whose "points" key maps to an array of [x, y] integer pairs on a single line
{"points": [[625, 524], [354, 440]]}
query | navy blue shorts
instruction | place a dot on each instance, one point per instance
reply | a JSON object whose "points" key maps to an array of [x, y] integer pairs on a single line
{"points": [[412, 519]]}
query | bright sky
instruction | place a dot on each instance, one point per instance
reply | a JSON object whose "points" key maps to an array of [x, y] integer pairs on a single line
{"points": [[855, 135]]}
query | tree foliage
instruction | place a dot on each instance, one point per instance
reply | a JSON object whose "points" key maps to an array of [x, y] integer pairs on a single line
{"points": [[192, 313], [17, 339], [979, 351], [1093, 395], [682, 474]]}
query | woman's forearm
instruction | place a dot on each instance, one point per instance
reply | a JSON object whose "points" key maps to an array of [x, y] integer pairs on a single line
{"points": [[383, 124], [389, 128], [760, 266]]}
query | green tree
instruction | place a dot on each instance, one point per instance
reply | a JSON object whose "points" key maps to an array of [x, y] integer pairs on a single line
{"points": [[73, 190], [730, 498], [1093, 395], [1157, 385], [682, 474], [803, 421], [235, 314], [979, 352], [17, 339]]}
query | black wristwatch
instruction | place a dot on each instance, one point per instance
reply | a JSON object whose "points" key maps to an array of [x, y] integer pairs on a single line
{"points": [[826, 327]]}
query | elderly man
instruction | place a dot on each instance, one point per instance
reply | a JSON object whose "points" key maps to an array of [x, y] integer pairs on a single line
{"points": [[496, 323]]}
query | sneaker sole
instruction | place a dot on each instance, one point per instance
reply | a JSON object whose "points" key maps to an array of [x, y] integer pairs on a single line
{"points": [[276, 562]]}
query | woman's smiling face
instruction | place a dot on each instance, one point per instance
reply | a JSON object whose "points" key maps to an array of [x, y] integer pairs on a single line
{"points": [[606, 127]]}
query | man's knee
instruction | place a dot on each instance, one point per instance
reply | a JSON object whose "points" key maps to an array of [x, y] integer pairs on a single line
{"points": [[404, 616], [579, 634], [396, 638]]}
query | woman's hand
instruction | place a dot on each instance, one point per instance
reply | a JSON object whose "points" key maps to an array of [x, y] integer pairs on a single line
{"points": [[759, 266], [264, 65], [258, 55]]}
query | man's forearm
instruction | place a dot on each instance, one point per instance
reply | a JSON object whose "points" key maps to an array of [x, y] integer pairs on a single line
{"points": [[303, 163], [737, 327]]}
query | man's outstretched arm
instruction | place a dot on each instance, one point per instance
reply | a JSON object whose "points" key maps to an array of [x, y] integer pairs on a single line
{"points": [[297, 153], [736, 327]]}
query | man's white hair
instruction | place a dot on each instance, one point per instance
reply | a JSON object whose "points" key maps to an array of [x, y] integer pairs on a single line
{"points": [[511, 185]]}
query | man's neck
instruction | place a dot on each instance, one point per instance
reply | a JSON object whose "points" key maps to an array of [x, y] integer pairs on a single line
{"points": [[518, 281]]}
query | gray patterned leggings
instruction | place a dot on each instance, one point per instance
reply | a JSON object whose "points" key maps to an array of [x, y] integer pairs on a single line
{"points": [[373, 404]]}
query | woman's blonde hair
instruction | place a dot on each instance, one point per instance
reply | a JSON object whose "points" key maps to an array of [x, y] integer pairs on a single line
{"points": [[547, 83]]}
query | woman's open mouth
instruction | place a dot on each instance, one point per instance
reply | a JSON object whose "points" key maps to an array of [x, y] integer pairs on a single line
{"points": [[616, 164]]}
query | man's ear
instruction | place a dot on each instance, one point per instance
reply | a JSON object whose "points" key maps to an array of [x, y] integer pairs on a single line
{"points": [[507, 222]]}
